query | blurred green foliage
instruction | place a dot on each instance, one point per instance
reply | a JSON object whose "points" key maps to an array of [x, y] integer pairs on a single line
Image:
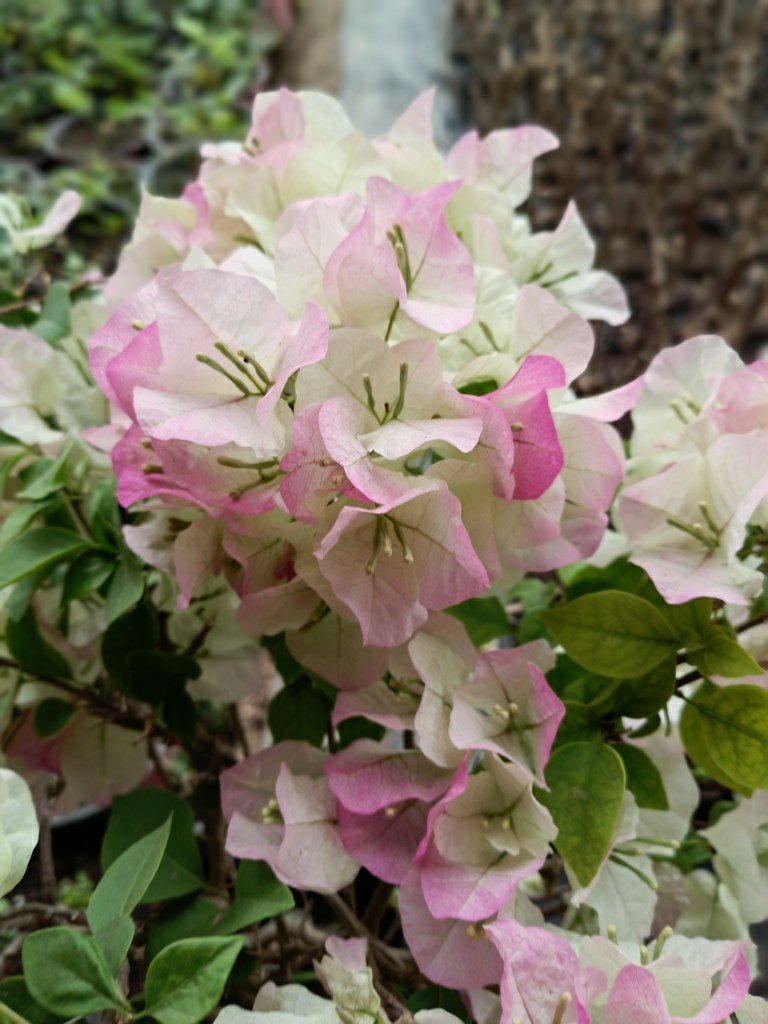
{"points": [[104, 95]]}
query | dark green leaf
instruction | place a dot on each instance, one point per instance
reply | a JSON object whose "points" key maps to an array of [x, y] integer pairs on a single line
{"points": [[188, 917], [586, 790], [33, 653], [186, 980], [85, 575], [434, 997], [126, 588], [258, 895], [158, 676], [134, 816], [66, 973], [138, 630], [358, 728], [37, 550], [127, 879], [483, 618], [648, 693], [14, 995], [581, 723], [104, 513], [180, 716], [644, 779], [612, 633], [581, 579], [51, 716], [299, 712]]}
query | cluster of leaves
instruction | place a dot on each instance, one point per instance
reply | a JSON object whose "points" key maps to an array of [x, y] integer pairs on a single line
{"points": [[84, 93], [190, 950]]}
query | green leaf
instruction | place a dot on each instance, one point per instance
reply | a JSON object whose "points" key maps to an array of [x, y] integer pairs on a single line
{"points": [[581, 723], [180, 717], [158, 676], [358, 728], [691, 621], [186, 980], [722, 656], [114, 940], [644, 779], [32, 651], [483, 618], [612, 633], [38, 550], [128, 877], [434, 997], [14, 995], [55, 323], [299, 712], [586, 788], [734, 725], [126, 588], [66, 973], [141, 812], [21, 516], [580, 579], [137, 630], [258, 895], [45, 477], [51, 716], [696, 746], [644, 695], [188, 917], [85, 575], [104, 513]]}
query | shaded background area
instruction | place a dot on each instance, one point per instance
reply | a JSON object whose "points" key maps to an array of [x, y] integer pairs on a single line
{"points": [[662, 111]]}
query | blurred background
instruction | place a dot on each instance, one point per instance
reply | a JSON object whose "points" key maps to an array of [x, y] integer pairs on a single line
{"points": [[661, 107]]}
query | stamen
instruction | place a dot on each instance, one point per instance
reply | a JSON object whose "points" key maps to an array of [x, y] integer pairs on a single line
{"points": [[138, 325], [516, 428], [227, 352], [612, 934], [501, 712], [260, 371], [146, 442], [562, 1005], [390, 812], [407, 553], [369, 394], [704, 509], [238, 492], [677, 409], [271, 814], [149, 468], [695, 530], [377, 539], [664, 934], [645, 958], [213, 365], [398, 406]]}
